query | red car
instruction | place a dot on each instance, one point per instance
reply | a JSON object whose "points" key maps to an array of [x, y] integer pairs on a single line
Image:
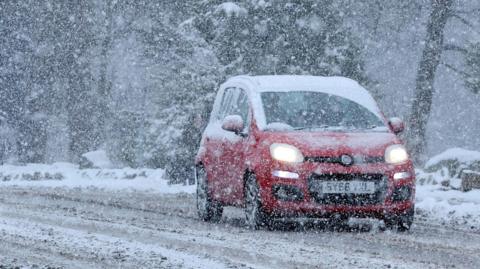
{"points": [[303, 146]]}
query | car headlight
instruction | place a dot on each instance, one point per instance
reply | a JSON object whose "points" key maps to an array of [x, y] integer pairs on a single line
{"points": [[396, 154], [286, 153]]}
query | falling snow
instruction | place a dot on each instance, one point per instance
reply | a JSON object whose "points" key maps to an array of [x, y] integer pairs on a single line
{"points": [[103, 105]]}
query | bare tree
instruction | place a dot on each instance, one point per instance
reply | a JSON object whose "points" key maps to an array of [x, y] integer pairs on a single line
{"points": [[105, 84], [422, 103]]}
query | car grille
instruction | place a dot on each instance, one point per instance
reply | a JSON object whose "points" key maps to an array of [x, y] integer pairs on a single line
{"points": [[338, 159], [349, 199]]}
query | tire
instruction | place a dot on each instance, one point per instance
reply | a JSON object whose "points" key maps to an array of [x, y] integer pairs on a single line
{"points": [[207, 208], [254, 214], [338, 223], [402, 222]]}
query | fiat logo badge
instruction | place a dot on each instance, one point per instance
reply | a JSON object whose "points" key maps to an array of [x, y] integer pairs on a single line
{"points": [[346, 160]]}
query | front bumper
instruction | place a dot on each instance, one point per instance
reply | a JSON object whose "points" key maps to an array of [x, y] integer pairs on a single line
{"points": [[287, 197]]}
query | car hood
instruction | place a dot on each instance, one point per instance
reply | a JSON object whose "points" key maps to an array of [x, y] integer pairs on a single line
{"points": [[335, 143]]}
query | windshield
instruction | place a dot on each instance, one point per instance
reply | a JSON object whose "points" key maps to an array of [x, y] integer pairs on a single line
{"points": [[300, 110]]}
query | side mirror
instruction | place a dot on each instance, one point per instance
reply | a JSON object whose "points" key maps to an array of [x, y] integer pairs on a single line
{"points": [[233, 123], [396, 124]]}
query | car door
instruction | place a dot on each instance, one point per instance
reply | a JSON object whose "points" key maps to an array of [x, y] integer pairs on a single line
{"points": [[215, 144], [234, 148]]}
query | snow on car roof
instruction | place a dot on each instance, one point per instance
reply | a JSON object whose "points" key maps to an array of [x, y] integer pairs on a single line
{"points": [[263, 83], [340, 86]]}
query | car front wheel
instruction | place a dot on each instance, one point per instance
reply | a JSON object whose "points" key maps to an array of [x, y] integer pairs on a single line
{"points": [[254, 215], [207, 208], [402, 222]]}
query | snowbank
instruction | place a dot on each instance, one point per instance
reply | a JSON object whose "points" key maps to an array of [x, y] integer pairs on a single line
{"points": [[461, 155], [69, 175], [438, 188], [447, 167], [98, 159], [448, 206]]}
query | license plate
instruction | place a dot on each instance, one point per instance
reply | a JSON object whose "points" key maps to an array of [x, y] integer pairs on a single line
{"points": [[353, 187]]}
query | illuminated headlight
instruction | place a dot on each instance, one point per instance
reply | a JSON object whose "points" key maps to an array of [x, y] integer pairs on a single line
{"points": [[396, 154], [286, 153]]}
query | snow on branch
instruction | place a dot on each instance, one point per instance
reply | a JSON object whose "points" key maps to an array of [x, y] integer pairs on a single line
{"points": [[231, 9]]}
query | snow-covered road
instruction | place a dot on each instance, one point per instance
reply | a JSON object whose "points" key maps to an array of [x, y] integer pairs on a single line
{"points": [[93, 228]]}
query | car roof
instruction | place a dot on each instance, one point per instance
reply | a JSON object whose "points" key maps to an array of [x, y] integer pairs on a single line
{"points": [[340, 86], [294, 82]]}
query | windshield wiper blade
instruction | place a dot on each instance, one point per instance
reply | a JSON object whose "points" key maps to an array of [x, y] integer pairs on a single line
{"points": [[311, 127]]}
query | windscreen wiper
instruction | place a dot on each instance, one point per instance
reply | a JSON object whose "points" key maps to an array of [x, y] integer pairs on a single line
{"points": [[311, 127]]}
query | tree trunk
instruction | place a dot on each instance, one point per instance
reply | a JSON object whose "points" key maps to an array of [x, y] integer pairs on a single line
{"points": [[422, 102], [104, 84]]}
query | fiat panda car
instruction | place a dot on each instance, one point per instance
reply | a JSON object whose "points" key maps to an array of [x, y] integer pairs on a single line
{"points": [[302, 146]]}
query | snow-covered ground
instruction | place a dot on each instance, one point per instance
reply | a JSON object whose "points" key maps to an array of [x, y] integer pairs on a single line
{"points": [[439, 196], [44, 227], [70, 176], [446, 206], [434, 201], [61, 216]]}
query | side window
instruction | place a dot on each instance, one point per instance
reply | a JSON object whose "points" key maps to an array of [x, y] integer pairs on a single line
{"points": [[226, 103], [240, 106], [234, 102], [243, 107]]}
